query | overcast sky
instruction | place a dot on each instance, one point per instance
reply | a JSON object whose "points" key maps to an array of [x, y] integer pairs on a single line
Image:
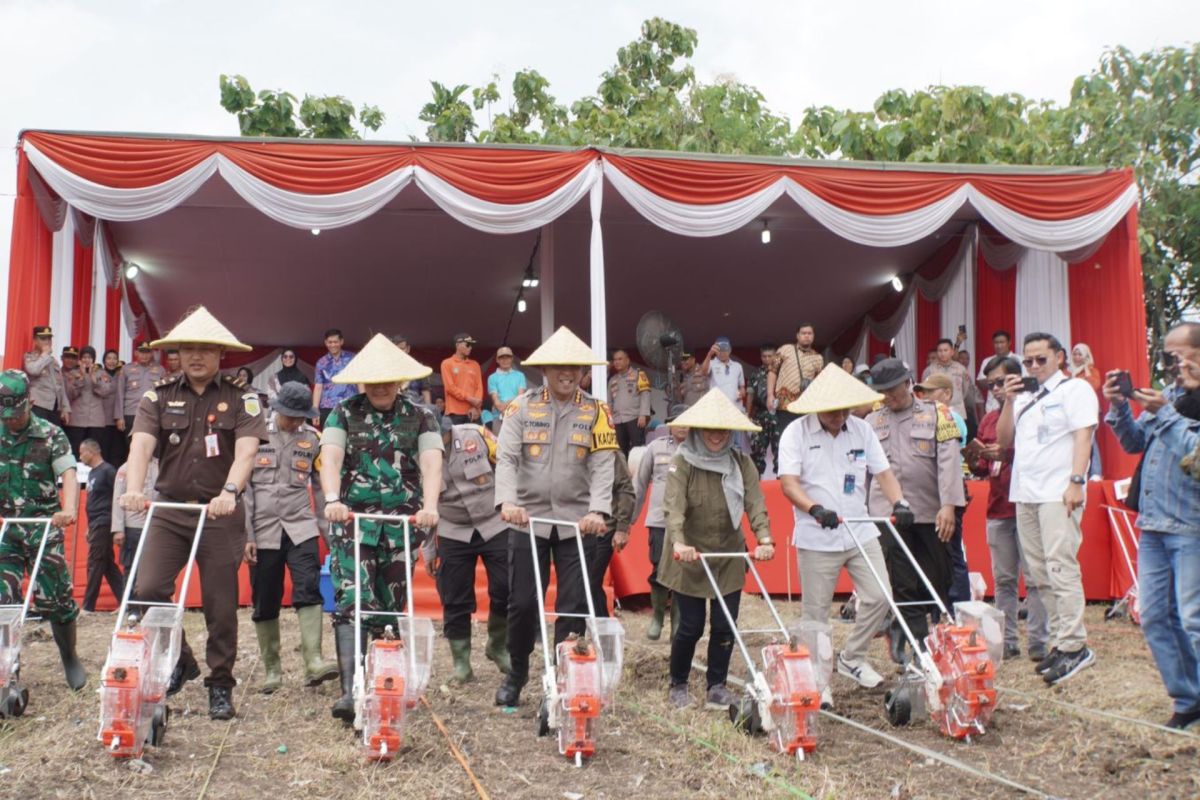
{"points": [[118, 65]]}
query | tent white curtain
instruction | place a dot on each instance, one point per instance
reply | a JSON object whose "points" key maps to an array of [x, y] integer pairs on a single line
{"points": [[957, 305], [906, 337], [599, 306], [97, 329], [62, 281], [1043, 298]]}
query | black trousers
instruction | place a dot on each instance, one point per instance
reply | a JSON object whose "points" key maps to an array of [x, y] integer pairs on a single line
{"points": [[459, 419], [129, 547], [960, 583], [599, 550], [656, 547], [456, 580], [266, 578], [629, 435], [128, 429], [101, 566], [50, 415], [933, 557], [523, 621], [76, 435], [691, 628]]}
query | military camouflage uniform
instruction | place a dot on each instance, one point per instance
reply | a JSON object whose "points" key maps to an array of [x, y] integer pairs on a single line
{"points": [[29, 463], [381, 474], [764, 418]]}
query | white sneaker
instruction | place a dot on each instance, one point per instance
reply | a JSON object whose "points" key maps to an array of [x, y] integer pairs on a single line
{"points": [[826, 699], [861, 672]]}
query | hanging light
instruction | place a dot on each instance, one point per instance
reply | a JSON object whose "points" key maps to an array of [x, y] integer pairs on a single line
{"points": [[131, 271], [315, 231], [530, 281], [897, 283], [521, 305], [766, 233]]}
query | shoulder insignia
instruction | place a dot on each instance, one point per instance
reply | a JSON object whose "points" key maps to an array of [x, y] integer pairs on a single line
{"points": [[947, 428], [164, 382], [153, 395], [251, 404], [604, 436], [643, 383], [513, 407]]}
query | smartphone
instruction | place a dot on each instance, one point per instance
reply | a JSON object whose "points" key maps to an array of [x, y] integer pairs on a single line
{"points": [[962, 329], [1029, 384], [1124, 385]]}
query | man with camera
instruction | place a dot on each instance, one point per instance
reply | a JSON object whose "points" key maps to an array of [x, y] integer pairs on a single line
{"points": [[1167, 500], [1048, 420]]}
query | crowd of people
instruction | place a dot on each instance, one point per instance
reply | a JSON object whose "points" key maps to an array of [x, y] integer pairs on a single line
{"points": [[471, 461]]}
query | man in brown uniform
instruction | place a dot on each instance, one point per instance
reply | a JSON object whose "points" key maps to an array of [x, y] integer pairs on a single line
{"points": [[555, 460], [282, 531], [629, 401], [922, 446], [47, 389], [205, 431], [470, 530], [133, 381]]}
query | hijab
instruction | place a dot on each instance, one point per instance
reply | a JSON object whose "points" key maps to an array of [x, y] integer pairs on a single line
{"points": [[723, 461], [291, 374]]}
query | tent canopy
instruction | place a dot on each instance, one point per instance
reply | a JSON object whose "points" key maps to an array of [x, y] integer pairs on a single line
{"points": [[432, 239]]}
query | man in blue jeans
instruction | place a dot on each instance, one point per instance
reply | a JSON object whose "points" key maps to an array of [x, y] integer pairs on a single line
{"points": [[1168, 502]]}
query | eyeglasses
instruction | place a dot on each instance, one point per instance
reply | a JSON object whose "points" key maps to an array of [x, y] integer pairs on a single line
{"points": [[1041, 361], [995, 384]]}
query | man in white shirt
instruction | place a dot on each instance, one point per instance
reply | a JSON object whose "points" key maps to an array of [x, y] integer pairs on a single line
{"points": [[825, 458], [1050, 430], [727, 375]]}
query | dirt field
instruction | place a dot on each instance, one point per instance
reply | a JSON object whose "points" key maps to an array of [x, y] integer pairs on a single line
{"points": [[287, 745]]}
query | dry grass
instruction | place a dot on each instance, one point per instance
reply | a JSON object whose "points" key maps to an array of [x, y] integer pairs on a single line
{"points": [[645, 749]]}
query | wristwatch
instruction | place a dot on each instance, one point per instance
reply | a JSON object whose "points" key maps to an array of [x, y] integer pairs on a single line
{"points": [[1078, 480], [332, 498], [231, 487]]}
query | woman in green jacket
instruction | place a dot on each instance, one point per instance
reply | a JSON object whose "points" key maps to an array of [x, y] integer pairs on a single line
{"points": [[710, 486]]}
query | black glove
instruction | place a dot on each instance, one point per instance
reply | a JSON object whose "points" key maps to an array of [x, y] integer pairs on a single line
{"points": [[826, 518], [902, 517]]}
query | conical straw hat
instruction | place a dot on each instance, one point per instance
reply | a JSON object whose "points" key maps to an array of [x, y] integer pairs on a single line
{"points": [[201, 327], [716, 412], [382, 362], [563, 348], [833, 390]]}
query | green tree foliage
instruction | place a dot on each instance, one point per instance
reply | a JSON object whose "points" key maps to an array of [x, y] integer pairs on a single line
{"points": [[275, 113], [450, 117]]}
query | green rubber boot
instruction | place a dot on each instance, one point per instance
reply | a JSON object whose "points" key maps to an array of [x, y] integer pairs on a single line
{"points": [[316, 669], [268, 650], [658, 609], [460, 650], [497, 643]]}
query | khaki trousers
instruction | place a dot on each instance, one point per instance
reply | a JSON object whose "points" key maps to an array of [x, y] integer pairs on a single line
{"points": [[819, 571], [1050, 539]]}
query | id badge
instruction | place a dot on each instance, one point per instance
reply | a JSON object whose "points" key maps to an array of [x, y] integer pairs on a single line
{"points": [[848, 483], [211, 447]]}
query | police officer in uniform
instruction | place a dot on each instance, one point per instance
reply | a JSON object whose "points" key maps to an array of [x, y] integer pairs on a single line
{"points": [[380, 454], [47, 389], [470, 530], [693, 380], [88, 387], [282, 530], [922, 447], [33, 453], [629, 400], [651, 479], [555, 460], [133, 381], [205, 431]]}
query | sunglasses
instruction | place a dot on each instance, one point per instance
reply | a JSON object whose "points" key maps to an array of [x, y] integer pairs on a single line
{"points": [[995, 384], [1040, 360]]}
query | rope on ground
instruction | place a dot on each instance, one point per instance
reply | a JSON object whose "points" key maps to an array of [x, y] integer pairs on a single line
{"points": [[777, 782], [224, 738], [1145, 723], [462, 759], [916, 748]]}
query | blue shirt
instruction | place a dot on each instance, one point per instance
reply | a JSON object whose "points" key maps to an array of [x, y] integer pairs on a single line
{"points": [[1169, 499], [506, 385], [328, 366]]}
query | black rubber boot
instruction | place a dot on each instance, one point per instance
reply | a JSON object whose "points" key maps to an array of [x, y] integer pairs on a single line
{"points": [[64, 637], [509, 693], [220, 703], [343, 639]]}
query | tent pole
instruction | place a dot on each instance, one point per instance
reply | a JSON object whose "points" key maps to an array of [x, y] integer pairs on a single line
{"points": [[546, 280], [597, 298]]}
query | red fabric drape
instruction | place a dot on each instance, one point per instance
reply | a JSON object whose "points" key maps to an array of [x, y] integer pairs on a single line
{"points": [[929, 329], [515, 175], [113, 321], [81, 302], [995, 307], [1108, 312], [877, 347], [29, 271]]}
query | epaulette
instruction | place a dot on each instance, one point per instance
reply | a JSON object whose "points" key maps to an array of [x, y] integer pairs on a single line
{"points": [[158, 384], [947, 428]]}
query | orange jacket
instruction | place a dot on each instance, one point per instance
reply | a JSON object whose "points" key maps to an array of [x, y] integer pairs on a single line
{"points": [[462, 380]]}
